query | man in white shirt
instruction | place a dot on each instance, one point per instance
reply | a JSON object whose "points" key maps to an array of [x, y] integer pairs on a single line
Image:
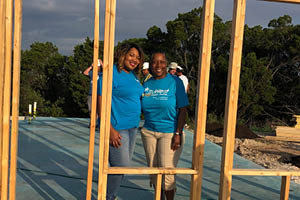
{"points": [[183, 78]]}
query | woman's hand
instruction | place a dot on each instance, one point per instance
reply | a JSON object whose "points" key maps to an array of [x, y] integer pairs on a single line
{"points": [[176, 142], [115, 138]]}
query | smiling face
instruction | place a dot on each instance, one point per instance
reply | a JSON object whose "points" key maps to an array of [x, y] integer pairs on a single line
{"points": [[132, 60], [159, 65]]}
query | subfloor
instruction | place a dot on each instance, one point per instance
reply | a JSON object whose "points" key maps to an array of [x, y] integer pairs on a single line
{"points": [[53, 160]]}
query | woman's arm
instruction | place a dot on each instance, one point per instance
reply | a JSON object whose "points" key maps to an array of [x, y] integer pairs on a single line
{"points": [[115, 137], [87, 70], [176, 140]]}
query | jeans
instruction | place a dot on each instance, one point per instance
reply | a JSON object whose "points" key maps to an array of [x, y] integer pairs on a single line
{"points": [[120, 158]]}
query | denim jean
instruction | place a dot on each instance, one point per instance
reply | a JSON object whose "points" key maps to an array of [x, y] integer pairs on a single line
{"points": [[120, 158]]}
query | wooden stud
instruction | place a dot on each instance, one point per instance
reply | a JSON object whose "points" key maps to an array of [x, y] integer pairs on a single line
{"points": [[15, 98], [2, 66], [232, 97], [101, 174], [101, 181], [149, 170], [202, 95], [6, 98], [290, 139], [106, 96], [286, 131], [109, 83], [285, 1], [285, 187], [158, 187], [264, 172], [94, 101]]}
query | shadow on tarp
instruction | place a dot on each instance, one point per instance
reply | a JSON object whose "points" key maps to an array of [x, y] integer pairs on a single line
{"points": [[53, 156]]}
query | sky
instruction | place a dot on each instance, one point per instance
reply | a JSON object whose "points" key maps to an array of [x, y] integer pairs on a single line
{"points": [[67, 23]]}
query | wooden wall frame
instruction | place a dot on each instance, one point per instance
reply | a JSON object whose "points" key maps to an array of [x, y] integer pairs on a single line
{"points": [[232, 92], [2, 63], [199, 136], [227, 171], [6, 92]]}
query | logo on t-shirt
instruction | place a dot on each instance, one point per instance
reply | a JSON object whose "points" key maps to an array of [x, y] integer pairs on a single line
{"points": [[156, 93]]}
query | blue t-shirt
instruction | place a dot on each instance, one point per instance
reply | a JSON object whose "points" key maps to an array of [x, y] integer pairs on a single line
{"points": [[91, 81], [160, 103], [126, 99]]}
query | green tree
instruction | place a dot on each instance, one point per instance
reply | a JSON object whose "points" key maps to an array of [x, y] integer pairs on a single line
{"points": [[78, 84], [43, 79], [256, 91], [284, 59]]}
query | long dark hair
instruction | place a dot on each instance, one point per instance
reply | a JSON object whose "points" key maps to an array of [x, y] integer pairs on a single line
{"points": [[121, 53]]}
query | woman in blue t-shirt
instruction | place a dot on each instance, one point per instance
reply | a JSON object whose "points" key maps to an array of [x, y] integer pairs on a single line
{"points": [[164, 106], [125, 111]]}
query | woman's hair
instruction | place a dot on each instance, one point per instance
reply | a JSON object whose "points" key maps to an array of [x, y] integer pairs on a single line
{"points": [[121, 53]]}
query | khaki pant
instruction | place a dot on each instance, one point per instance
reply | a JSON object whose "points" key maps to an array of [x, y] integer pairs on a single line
{"points": [[159, 154]]}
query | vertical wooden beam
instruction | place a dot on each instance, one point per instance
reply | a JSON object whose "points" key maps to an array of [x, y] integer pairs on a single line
{"points": [[101, 178], [158, 187], [232, 93], [285, 187], [15, 98], [202, 95], [94, 100], [6, 98], [110, 10], [2, 66]]}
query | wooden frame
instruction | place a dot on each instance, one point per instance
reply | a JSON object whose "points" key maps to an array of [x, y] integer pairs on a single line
{"points": [[6, 97], [6, 21], [202, 96], [15, 98], [2, 63], [104, 170], [227, 170], [93, 110]]}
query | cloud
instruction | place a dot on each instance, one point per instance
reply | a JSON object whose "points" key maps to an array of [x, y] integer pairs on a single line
{"points": [[44, 5], [64, 22]]}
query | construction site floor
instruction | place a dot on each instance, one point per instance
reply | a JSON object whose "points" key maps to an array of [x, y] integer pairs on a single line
{"points": [[53, 163]]}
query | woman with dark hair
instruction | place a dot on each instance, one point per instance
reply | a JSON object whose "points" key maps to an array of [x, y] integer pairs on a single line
{"points": [[164, 107], [125, 111]]}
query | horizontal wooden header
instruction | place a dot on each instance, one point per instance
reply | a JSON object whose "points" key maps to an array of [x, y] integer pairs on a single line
{"points": [[285, 1], [149, 170], [264, 172]]}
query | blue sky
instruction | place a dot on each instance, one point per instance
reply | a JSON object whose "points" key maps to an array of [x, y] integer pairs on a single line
{"points": [[67, 23]]}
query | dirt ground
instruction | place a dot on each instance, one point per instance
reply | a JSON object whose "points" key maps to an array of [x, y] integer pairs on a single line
{"points": [[271, 154]]}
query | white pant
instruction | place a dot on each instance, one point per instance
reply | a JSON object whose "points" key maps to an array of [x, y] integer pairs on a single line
{"points": [[158, 151]]}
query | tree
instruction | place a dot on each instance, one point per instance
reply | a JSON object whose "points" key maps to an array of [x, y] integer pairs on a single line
{"points": [[269, 82], [43, 78], [256, 91], [78, 84], [284, 56]]}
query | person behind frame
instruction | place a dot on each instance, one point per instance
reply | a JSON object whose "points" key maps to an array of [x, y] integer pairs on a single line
{"points": [[125, 111], [89, 72], [164, 107]]}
